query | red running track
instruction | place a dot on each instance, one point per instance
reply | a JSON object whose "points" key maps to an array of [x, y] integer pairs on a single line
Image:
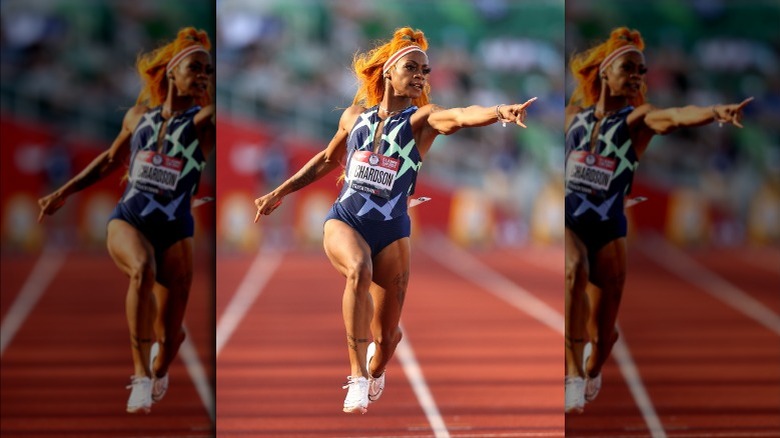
{"points": [[491, 369], [65, 370], [709, 369]]}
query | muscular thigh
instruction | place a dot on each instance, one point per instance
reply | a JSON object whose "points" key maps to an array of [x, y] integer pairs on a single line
{"points": [[128, 248], [609, 266], [576, 253], [174, 269], [391, 270], [345, 247]]}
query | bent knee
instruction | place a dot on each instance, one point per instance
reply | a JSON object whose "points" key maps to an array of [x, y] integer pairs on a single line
{"points": [[576, 268], [359, 271], [142, 269]]}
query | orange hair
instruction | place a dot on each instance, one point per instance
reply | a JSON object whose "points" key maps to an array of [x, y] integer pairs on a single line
{"points": [[151, 67], [368, 67], [368, 70], [585, 67]]}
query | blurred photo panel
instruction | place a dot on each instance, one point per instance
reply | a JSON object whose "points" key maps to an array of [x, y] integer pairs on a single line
{"points": [[672, 208], [107, 230]]}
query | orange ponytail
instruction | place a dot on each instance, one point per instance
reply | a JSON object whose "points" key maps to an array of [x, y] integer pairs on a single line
{"points": [[585, 67], [368, 67], [151, 67]]}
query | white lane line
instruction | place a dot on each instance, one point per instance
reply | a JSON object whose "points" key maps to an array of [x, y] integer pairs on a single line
{"points": [[264, 265], [461, 262], [464, 264], [47, 266], [198, 374], [634, 381], [676, 261], [414, 375]]}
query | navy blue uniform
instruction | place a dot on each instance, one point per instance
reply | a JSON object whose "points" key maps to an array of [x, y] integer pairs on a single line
{"points": [[373, 199], [162, 180], [598, 177]]}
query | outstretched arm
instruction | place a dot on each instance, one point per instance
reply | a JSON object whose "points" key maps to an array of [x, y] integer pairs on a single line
{"points": [[665, 120], [317, 167], [103, 165], [448, 121]]}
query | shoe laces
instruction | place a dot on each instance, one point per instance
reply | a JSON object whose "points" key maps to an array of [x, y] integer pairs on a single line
{"points": [[141, 391], [357, 389], [137, 381], [357, 394], [355, 380]]}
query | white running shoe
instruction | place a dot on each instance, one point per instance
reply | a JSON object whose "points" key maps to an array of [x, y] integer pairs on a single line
{"points": [[159, 384], [159, 387], [376, 385], [357, 395], [592, 384], [140, 395], [575, 394], [592, 387]]}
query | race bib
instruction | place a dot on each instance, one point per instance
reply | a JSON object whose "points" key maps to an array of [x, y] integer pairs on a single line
{"points": [[373, 173], [156, 173], [588, 173]]}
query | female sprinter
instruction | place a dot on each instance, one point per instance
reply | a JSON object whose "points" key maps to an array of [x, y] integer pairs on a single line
{"points": [[166, 136], [384, 136], [609, 126]]}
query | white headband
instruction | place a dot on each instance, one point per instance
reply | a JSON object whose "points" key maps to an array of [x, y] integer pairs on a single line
{"points": [[618, 52], [397, 55], [183, 54]]}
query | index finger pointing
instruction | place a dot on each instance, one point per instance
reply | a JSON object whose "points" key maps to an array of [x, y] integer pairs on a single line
{"points": [[527, 102], [745, 102]]}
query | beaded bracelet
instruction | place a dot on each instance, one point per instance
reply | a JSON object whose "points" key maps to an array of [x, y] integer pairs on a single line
{"points": [[498, 116], [717, 118]]}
